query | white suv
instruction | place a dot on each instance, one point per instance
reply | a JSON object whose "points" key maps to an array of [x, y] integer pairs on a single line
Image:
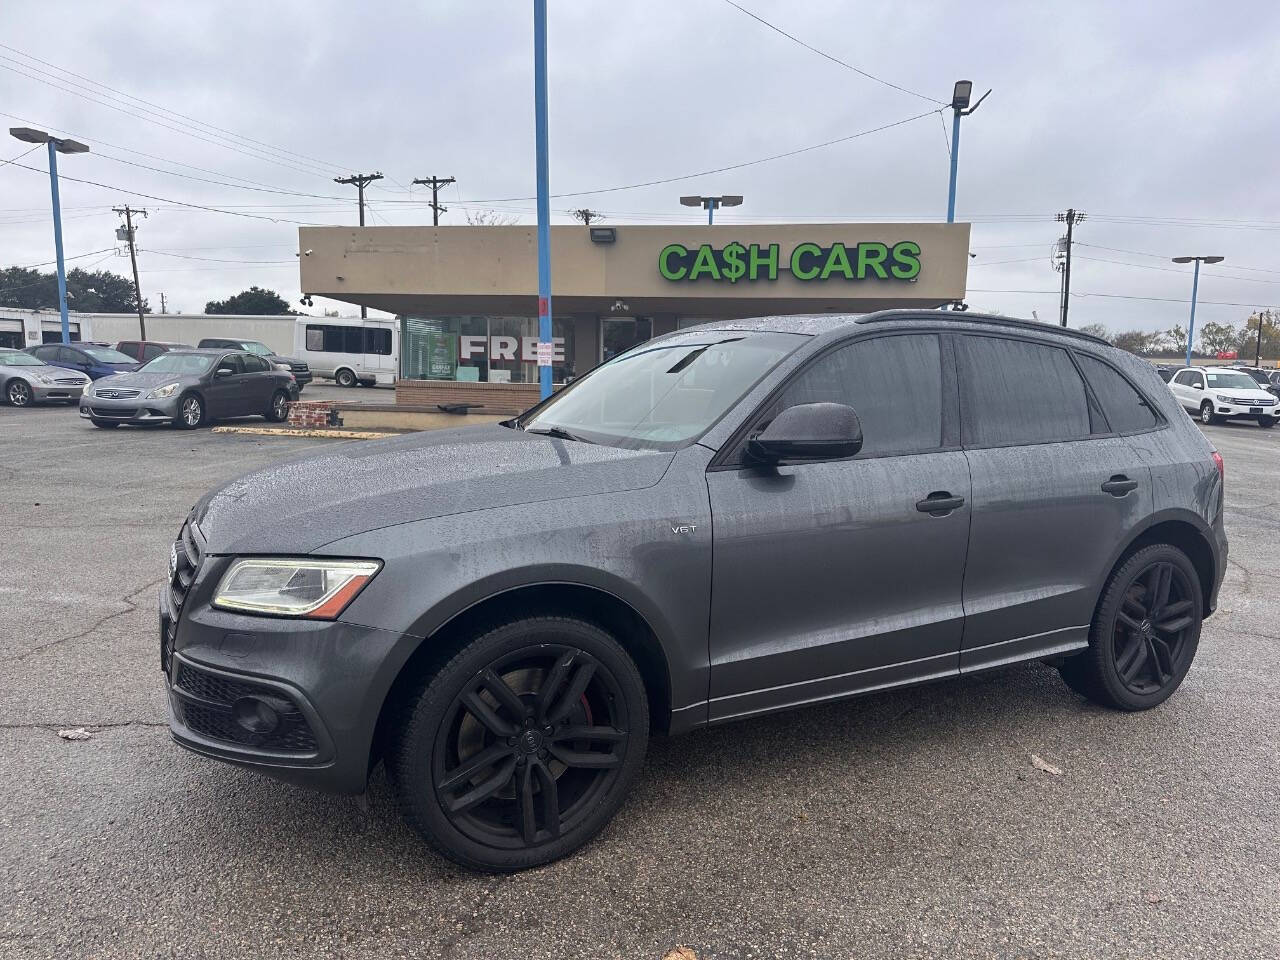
{"points": [[1215, 394]]}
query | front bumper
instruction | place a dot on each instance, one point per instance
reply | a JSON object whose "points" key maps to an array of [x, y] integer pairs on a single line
{"points": [[1250, 410], [325, 683], [130, 409], [302, 376], [46, 392]]}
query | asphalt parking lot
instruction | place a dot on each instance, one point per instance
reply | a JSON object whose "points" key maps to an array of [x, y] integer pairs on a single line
{"points": [[903, 824]]}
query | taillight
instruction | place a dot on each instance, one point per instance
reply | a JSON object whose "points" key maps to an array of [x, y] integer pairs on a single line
{"points": [[1222, 467]]}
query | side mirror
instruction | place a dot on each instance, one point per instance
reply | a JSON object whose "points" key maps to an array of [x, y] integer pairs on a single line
{"points": [[808, 432], [223, 372]]}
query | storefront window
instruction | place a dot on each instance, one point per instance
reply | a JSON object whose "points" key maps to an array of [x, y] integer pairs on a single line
{"points": [[482, 349], [619, 334]]}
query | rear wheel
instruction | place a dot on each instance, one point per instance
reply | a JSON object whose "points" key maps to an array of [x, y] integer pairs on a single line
{"points": [[1206, 413], [190, 412], [18, 393], [1144, 634], [523, 746], [345, 378], [278, 412]]}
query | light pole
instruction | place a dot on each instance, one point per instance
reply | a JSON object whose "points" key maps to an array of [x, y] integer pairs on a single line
{"points": [[711, 204], [1195, 288], [544, 195], [56, 146], [960, 97]]}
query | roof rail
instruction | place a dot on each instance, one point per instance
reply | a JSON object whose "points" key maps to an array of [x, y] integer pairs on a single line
{"points": [[964, 316]]}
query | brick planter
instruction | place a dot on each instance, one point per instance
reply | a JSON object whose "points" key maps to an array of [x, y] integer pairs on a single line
{"points": [[309, 413]]}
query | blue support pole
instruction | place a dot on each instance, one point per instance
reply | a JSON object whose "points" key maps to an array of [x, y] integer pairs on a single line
{"points": [[544, 199], [1191, 325], [711, 211], [955, 161], [57, 240]]}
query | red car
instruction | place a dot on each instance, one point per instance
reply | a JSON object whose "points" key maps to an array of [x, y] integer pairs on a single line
{"points": [[144, 350]]}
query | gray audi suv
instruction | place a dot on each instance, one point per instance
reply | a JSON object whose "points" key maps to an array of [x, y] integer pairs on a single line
{"points": [[734, 519]]}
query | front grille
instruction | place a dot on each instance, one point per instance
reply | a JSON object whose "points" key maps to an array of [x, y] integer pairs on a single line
{"points": [[204, 703], [184, 564], [107, 413], [299, 368], [114, 393], [73, 381]]}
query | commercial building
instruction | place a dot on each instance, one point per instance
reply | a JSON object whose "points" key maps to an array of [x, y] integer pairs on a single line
{"points": [[467, 297]]}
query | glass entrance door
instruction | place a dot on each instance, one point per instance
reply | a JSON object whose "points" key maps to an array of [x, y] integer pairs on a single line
{"points": [[619, 334]]}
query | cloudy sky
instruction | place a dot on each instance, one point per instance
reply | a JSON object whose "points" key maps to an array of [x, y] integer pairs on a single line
{"points": [[1158, 120]]}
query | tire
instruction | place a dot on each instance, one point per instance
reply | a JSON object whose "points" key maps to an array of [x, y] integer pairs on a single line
{"points": [[18, 392], [466, 766], [300, 389], [1207, 416], [278, 412], [345, 378], [1144, 634], [104, 424], [1266, 423], [190, 412]]}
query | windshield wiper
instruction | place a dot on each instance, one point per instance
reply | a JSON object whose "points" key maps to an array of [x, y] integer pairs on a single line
{"points": [[560, 433]]}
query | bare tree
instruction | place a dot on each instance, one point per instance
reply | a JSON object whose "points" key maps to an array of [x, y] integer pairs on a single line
{"points": [[489, 218]]}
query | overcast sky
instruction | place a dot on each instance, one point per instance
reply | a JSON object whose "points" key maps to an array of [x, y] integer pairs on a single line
{"points": [[1158, 120]]}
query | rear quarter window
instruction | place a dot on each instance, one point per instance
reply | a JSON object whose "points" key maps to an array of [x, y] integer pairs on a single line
{"points": [[1125, 408]]}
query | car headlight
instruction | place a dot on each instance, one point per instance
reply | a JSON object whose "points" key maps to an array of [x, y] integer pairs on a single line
{"points": [[159, 393], [283, 366], [1222, 399], [88, 388], [44, 377], [310, 587]]}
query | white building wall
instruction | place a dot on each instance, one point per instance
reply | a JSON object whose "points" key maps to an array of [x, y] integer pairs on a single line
{"points": [[275, 331]]}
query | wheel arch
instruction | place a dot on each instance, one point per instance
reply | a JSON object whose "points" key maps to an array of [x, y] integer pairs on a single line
{"points": [[1181, 529], [337, 372], [593, 603]]}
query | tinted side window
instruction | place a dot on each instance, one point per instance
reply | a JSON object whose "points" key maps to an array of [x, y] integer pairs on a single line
{"points": [[1123, 405], [149, 352], [232, 363], [1180, 377], [66, 355], [377, 342], [255, 364], [1013, 391], [893, 383], [129, 348]]}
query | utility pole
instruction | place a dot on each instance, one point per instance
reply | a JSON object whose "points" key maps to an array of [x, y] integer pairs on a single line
{"points": [[164, 307], [1070, 218], [359, 181], [586, 216], [129, 234], [435, 183]]}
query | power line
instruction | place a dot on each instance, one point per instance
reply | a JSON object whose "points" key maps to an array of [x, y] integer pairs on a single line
{"points": [[79, 256], [21, 155], [822, 53], [183, 256]]}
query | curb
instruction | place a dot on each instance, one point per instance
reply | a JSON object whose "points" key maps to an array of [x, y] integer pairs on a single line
{"points": [[326, 433]]}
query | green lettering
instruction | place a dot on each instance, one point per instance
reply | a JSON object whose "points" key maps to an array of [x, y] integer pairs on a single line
{"points": [[734, 269], [664, 261], [906, 256], [704, 262], [872, 255], [805, 251], [756, 261], [837, 260]]}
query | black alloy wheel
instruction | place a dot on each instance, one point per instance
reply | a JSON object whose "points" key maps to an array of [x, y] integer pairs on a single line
{"points": [[18, 393], [190, 412], [279, 409], [1145, 632], [523, 746]]}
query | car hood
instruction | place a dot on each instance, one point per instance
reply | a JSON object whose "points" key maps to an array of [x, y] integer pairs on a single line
{"points": [[138, 380], [1243, 393], [301, 505], [34, 370]]}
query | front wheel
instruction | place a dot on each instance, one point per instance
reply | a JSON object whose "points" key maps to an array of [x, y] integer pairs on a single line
{"points": [[1207, 415], [1144, 634], [18, 392], [523, 746], [1266, 423], [190, 412], [345, 378], [278, 412]]}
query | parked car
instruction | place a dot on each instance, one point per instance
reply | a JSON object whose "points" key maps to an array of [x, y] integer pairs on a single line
{"points": [[301, 372], [1215, 394], [504, 613], [25, 380], [351, 351], [1268, 380], [91, 359], [146, 350], [1166, 372], [188, 388]]}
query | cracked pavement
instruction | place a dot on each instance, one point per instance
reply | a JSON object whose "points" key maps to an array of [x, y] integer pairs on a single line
{"points": [[903, 824]]}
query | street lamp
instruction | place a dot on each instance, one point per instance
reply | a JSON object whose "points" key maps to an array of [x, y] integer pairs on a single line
{"points": [[961, 94], [710, 204], [56, 146], [1195, 287]]}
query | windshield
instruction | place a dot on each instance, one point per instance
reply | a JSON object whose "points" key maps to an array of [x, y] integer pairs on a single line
{"points": [[1231, 380], [107, 355], [256, 348], [16, 358], [663, 396], [190, 363]]}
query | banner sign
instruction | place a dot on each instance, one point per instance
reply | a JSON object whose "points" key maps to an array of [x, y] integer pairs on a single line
{"points": [[806, 262], [524, 349]]}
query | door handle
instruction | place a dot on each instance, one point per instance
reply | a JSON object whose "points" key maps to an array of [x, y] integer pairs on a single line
{"points": [[1119, 485], [939, 503]]}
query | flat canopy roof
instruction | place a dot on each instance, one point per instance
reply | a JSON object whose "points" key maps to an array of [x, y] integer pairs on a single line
{"points": [[733, 270]]}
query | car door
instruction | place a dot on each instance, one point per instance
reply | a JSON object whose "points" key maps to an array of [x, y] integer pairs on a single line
{"points": [[225, 393], [259, 383], [1191, 389], [1056, 493], [76, 360], [830, 578]]}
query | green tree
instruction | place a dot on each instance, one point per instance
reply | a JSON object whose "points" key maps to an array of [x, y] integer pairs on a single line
{"points": [[1218, 337], [254, 301], [1248, 345], [1177, 337], [1140, 342], [98, 291], [1096, 330]]}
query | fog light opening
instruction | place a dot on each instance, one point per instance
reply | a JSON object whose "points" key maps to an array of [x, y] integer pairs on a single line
{"points": [[256, 715]]}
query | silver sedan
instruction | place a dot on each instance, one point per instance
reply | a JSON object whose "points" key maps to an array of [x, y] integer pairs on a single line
{"points": [[25, 380]]}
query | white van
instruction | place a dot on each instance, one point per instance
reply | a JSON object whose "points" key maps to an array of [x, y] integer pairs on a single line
{"points": [[349, 350]]}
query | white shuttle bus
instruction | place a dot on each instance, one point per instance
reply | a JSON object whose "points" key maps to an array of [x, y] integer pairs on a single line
{"points": [[349, 350]]}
